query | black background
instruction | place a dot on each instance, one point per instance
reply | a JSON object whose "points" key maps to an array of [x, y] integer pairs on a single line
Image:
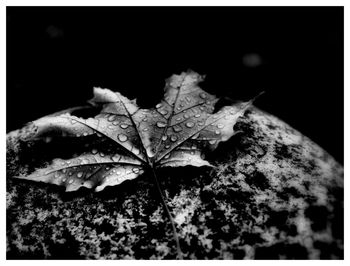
{"points": [[56, 55]]}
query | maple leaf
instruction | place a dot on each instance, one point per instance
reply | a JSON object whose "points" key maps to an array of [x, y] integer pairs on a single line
{"points": [[179, 131]]}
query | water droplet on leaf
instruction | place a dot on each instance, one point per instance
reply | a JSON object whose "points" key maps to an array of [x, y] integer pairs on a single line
{"points": [[122, 137], [203, 95], [161, 124], [177, 128], [111, 118], [173, 138], [136, 170], [189, 124]]}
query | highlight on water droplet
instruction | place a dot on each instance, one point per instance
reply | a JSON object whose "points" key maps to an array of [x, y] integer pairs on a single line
{"points": [[161, 124], [94, 151], [203, 95], [80, 174], [164, 137], [195, 136], [220, 126], [163, 111], [159, 105], [173, 138], [122, 137], [71, 181], [197, 115], [111, 118], [136, 170], [189, 124], [217, 132], [177, 128], [124, 126], [212, 141], [102, 154], [167, 156]]}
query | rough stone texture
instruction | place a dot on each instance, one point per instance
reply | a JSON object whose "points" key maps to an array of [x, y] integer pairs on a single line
{"points": [[273, 195]]}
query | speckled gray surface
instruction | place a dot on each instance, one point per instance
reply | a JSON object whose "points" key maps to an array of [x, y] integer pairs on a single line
{"points": [[273, 195]]}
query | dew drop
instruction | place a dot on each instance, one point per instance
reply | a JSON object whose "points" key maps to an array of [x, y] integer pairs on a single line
{"points": [[167, 146], [78, 135], [164, 138], [186, 116], [159, 105], [136, 170], [85, 134], [145, 129], [70, 181], [111, 118], [145, 120], [220, 126], [122, 137], [202, 108], [57, 174], [94, 151], [118, 173], [201, 123], [212, 141], [177, 128], [116, 158], [178, 108], [173, 138], [107, 168], [136, 151], [64, 171], [203, 95], [189, 124], [102, 154], [70, 173], [215, 116], [99, 135], [124, 126], [73, 121], [195, 136], [167, 156], [80, 174], [192, 152], [178, 119], [217, 132], [197, 115], [64, 179], [163, 112], [161, 124], [115, 123]]}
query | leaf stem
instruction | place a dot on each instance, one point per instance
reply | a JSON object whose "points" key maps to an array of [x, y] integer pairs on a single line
{"points": [[176, 238]]}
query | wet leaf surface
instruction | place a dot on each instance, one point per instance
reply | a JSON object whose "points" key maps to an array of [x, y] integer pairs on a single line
{"points": [[179, 131]]}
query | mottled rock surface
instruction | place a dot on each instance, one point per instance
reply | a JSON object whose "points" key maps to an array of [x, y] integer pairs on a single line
{"points": [[274, 194]]}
